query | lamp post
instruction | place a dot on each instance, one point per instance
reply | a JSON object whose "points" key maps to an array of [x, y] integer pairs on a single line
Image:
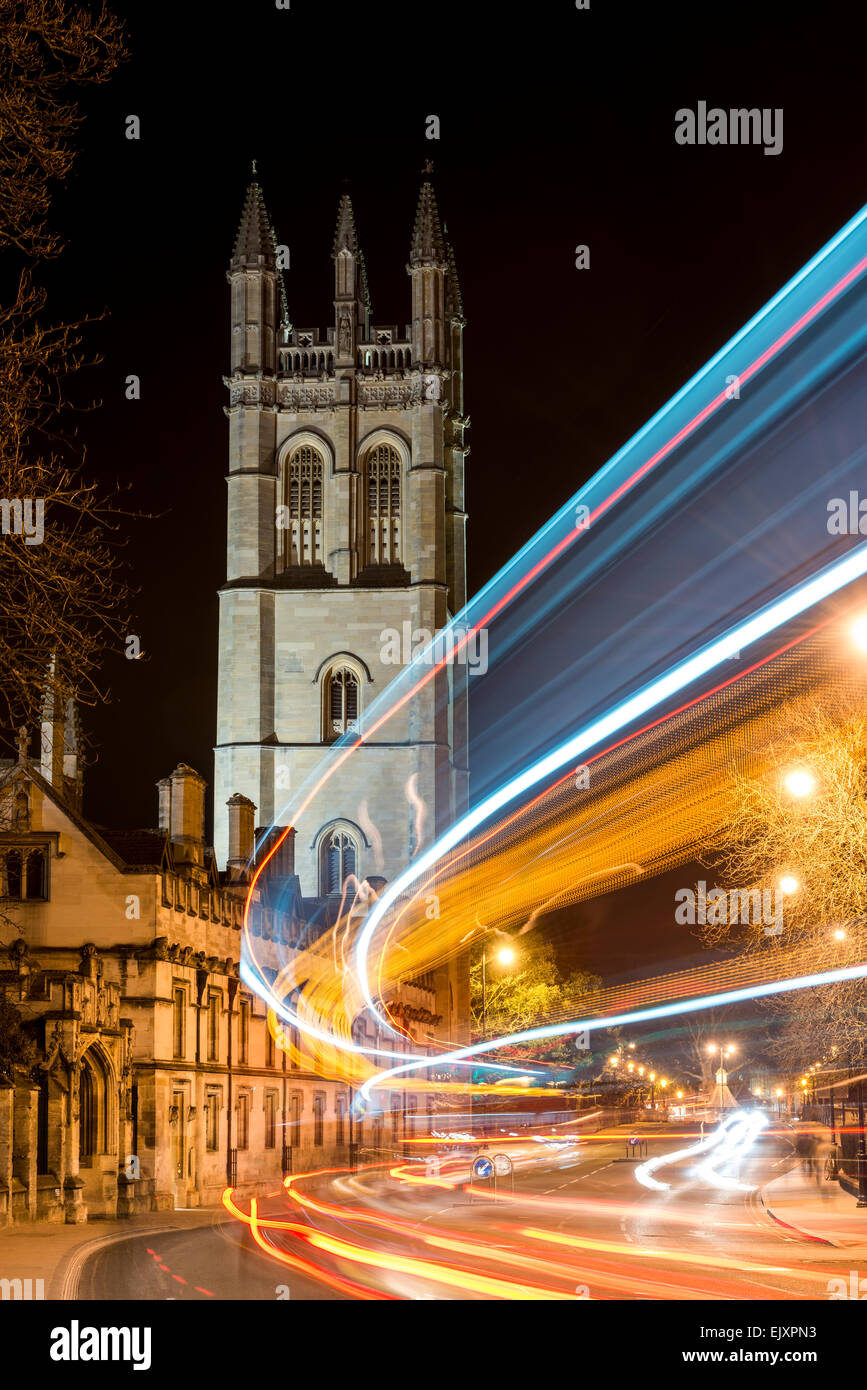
{"points": [[862, 1150], [505, 956]]}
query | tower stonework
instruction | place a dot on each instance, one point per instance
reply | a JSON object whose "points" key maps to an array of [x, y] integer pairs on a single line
{"points": [[346, 522]]}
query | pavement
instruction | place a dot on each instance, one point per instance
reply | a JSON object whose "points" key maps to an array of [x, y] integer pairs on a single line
{"points": [[822, 1212], [55, 1252]]}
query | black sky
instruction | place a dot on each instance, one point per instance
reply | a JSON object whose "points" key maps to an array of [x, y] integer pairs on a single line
{"points": [[557, 129]]}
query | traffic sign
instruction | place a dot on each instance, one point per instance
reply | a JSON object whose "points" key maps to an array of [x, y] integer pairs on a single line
{"points": [[502, 1165], [483, 1168]]}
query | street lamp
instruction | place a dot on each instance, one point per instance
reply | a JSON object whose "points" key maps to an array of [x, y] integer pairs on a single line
{"points": [[505, 956], [789, 884], [725, 1050], [800, 782]]}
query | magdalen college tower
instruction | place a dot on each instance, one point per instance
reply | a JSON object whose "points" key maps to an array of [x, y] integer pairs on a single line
{"points": [[346, 523]]}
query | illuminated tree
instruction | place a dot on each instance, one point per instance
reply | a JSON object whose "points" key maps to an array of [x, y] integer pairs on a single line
{"points": [[802, 823], [527, 993]]}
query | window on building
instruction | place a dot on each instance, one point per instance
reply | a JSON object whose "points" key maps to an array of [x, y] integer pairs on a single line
{"points": [[383, 505], [270, 1120], [270, 1051], [318, 1120], [86, 1115], [179, 1002], [341, 702], [339, 859], [21, 810], [395, 1117], [214, 1027], [244, 1031], [25, 875], [302, 499], [212, 1121], [243, 1120], [36, 876], [340, 1127], [295, 1119], [295, 1044]]}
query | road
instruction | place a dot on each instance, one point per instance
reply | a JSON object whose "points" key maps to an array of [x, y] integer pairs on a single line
{"points": [[577, 1225]]}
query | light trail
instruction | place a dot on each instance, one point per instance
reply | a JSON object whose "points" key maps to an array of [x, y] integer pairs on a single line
{"points": [[736, 1145], [764, 991], [804, 596], [822, 262]]}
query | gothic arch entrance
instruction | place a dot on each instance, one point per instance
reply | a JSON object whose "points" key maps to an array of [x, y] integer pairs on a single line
{"points": [[97, 1132]]}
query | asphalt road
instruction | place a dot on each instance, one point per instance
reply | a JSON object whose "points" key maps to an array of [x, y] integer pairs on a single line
{"points": [[577, 1224]]}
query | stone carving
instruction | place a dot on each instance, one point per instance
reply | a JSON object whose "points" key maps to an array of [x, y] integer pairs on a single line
{"points": [[306, 397]]}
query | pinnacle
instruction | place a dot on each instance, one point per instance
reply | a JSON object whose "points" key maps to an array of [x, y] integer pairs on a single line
{"points": [[345, 237], [454, 301], [427, 236], [255, 239]]}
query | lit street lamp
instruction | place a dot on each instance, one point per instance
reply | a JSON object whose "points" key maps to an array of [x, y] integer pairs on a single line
{"points": [[505, 956], [800, 782]]}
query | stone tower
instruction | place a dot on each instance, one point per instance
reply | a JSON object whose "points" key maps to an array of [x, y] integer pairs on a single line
{"points": [[346, 525]]}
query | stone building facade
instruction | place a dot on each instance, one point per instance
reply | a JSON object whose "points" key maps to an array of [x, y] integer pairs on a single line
{"points": [[346, 521], [157, 1081]]}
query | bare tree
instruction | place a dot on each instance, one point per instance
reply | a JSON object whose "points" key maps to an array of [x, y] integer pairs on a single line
{"points": [[63, 594]]}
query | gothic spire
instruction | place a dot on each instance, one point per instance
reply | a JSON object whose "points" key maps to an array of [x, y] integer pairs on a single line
{"points": [[454, 301], [255, 239], [345, 237], [427, 235]]}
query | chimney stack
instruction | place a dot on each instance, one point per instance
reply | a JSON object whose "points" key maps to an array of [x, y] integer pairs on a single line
{"points": [[164, 792], [187, 814], [242, 814]]}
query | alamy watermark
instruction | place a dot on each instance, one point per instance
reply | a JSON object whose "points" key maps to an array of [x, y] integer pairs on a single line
{"points": [[455, 645], [721, 907], [741, 126], [847, 516], [23, 517], [26, 1289], [855, 1289]]}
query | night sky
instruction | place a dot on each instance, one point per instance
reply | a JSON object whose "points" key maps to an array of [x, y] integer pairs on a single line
{"points": [[557, 130]]}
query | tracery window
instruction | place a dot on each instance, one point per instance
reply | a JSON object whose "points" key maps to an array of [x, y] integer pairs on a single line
{"points": [[341, 702], [302, 502], [339, 859], [383, 505], [24, 875]]}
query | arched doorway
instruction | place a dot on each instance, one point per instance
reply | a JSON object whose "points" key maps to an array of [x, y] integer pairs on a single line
{"points": [[97, 1132]]}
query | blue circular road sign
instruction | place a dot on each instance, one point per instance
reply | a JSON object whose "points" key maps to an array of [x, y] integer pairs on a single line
{"points": [[483, 1168]]}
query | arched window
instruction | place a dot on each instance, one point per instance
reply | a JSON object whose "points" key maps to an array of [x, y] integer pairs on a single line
{"points": [[93, 1117], [302, 500], [21, 810], [87, 1114], [383, 505], [341, 702], [339, 859]]}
